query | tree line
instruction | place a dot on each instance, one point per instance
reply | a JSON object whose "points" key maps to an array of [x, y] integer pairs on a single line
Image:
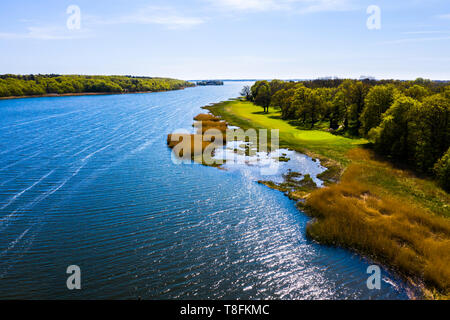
{"points": [[35, 85], [408, 121]]}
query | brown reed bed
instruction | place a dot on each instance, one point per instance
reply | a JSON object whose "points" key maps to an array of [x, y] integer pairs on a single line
{"points": [[204, 126], [211, 133], [206, 117], [402, 235]]}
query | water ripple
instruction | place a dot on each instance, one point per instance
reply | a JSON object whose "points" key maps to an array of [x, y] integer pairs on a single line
{"points": [[89, 181]]}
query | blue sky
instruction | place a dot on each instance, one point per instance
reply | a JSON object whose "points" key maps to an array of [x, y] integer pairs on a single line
{"points": [[236, 39]]}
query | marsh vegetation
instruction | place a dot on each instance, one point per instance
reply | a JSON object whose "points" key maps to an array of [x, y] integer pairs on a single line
{"points": [[395, 214]]}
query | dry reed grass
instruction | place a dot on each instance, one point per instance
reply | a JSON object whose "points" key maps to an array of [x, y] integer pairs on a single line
{"points": [[211, 132], [401, 234], [207, 125], [206, 117], [194, 142]]}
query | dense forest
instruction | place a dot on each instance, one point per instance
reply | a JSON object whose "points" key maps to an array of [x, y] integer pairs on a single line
{"points": [[35, 85], [407, 121]]}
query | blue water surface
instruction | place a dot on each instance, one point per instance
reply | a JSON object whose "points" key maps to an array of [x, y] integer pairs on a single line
{"points": [[89, 181]]}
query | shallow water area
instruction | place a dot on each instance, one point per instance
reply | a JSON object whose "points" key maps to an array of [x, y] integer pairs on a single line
{"points": [[267, 165]]}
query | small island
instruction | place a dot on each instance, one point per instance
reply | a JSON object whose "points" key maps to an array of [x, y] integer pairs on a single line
{"points": [[210, 83]]}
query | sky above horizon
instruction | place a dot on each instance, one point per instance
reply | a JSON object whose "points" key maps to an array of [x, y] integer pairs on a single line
{"points": [[227, 39]]}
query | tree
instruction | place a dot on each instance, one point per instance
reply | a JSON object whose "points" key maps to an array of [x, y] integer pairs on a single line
{"points": [[314, 106], [352, 98], [378, 100], [283, 100], [422, 81], [307, 104], [12, 85], [431, 131], [417, 92], [338, 110], [394, 135], [298, 105], [275, 86], [262, 95], [247, 93], [326, 95], [256, 86], [446, 92], [358, 92], [442, 171]]}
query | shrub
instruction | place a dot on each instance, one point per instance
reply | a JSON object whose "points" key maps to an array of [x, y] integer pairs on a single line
{"points": [[206, 117], [442, 171], [207, 125], [404, 236]]}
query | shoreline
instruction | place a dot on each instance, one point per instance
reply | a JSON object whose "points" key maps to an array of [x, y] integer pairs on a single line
{"points": [[336, 177], [299, 191], [81, 94]]}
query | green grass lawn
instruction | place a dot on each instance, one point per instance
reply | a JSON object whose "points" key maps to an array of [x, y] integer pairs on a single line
{"points": [[319, 143]]}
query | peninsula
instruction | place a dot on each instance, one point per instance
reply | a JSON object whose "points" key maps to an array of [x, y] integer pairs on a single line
{"points": [[382, 199]]}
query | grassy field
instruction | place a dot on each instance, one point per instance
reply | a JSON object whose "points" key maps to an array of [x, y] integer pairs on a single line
{"points": [[377, 209], [247, 115]]}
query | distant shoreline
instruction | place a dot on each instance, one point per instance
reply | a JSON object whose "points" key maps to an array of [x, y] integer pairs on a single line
{"points": [[56, 95]]}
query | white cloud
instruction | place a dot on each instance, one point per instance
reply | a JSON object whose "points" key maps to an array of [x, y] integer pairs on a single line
{"points": [[300, 6], [444, 16], [46, 33], [165, 16], [325, 5], [259, 5], [427, 32], [414, 40], [173, 18]]}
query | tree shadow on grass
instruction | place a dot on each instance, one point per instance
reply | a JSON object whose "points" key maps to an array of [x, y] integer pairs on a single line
{"points": [[295, 123], [299, 125], [271, 116], [401, 164]]}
